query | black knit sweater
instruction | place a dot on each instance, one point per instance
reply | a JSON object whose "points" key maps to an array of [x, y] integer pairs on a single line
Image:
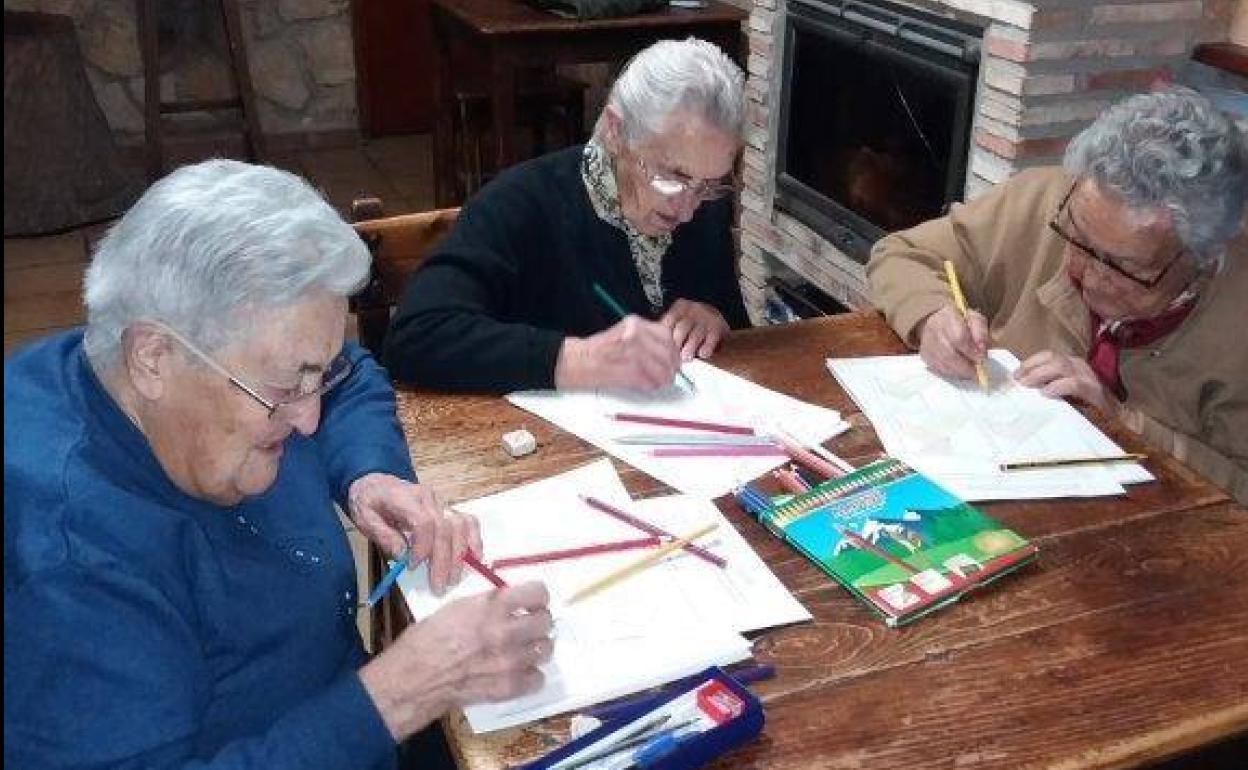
{"points": [[491, 306]]}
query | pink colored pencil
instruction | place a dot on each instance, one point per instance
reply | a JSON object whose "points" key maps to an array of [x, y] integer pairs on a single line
{"points": [[675, 422], [804, 456], [788, 481], [574, 553], [649, 528], [483, 570], [729, 450]]}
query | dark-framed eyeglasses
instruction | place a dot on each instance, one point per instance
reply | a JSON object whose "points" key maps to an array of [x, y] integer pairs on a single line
{"points": [[313, 386], [672, 185], [1110, 264]]}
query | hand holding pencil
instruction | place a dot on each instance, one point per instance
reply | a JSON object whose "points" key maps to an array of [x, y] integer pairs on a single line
{"points": [[954, 342]]}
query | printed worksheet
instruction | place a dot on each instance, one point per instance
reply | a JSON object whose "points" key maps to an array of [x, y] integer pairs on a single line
{"points": [[669, 620], [717, 397], [959, 434]]}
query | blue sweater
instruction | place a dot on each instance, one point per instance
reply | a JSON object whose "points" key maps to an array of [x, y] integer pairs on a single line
{"points": [[146, 628]]}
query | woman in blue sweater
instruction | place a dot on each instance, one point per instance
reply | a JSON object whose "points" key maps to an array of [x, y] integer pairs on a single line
{"points": [[178, 591]]}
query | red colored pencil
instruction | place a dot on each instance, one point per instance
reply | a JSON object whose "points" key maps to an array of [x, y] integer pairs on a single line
{"points": [[675, 422], [789, 482], [483, 570], [804, 456], [573, 553], [649, 528], [867, 545]]}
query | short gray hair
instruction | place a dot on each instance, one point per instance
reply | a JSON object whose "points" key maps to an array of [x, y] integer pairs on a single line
{"points": [[212, 240], [1171, 150], [673, 75]]}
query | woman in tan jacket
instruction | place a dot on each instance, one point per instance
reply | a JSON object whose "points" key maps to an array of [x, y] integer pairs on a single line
{"points": [[1120, 280]]}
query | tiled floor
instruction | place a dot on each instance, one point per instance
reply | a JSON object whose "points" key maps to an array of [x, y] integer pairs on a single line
{"points": [[43, 275]]}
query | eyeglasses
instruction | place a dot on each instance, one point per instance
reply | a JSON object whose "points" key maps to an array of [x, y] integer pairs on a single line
{"points": [[672, 185], [313, 386], [1105, 261]]}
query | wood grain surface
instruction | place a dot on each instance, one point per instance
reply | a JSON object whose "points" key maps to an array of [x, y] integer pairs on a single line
{"points": [[1124, 643]]}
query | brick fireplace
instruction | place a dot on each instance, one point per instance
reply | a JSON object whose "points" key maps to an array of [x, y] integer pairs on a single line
{"points": [[1045, 69]]}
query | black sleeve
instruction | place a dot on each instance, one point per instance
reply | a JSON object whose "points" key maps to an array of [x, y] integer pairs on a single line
{"points": [[450, 330], [706, 268]]}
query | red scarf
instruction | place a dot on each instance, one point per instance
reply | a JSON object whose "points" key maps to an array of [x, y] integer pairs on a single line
{"points": [[1109, 338]]}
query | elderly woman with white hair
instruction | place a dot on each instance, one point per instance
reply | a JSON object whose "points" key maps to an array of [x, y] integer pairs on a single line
{"points": [[1120, 279], [178, 589], [600, 265]]}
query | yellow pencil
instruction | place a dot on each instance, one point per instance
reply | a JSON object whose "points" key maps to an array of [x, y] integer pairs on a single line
{"points": [[611, 578], [960, 301], [1061, 462]]}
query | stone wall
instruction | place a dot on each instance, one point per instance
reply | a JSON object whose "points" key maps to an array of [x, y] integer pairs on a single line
{"points": [[300, 53], [1047, 68]]}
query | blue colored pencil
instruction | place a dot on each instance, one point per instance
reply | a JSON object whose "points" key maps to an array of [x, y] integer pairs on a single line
{"points": [[396, 568]]}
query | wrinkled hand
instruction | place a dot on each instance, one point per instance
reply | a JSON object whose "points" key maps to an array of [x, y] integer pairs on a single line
{"points": [[697, 328], [951, 345], [634, 353], [1058, 375], [480, 648], [384, 507]]}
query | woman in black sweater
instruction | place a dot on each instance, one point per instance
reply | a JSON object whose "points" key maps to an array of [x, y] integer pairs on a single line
{"points": [[507, 300]]}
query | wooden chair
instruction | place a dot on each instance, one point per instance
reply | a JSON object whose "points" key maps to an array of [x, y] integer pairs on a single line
{"points": [[398, 244]]}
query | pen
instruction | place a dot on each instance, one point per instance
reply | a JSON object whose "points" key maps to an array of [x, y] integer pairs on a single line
{"points": [[960, 300], [1062, 462], [396, 567], [615, 307], [624, 740]]}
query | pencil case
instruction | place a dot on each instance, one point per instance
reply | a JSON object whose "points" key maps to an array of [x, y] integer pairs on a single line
{"points": [[696, 724]]}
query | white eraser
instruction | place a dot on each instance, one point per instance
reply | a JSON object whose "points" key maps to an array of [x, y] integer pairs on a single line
{"points": [[519, 443]]}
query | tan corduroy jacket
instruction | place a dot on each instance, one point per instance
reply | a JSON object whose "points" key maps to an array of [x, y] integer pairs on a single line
{"points": [[1187, 393]]}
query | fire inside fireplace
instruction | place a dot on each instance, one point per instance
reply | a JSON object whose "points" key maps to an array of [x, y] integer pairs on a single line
{"points": [[875, 117]]}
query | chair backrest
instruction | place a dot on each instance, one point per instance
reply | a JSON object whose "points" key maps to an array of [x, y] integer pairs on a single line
{"points": [[398, 244]]}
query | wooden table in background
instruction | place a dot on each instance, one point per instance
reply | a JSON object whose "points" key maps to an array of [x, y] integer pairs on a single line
{"points": [[508, 34], [1125, 642]]}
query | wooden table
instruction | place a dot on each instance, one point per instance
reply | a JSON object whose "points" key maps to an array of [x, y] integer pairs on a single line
{"points": [[508, 34], [1127, 641]]}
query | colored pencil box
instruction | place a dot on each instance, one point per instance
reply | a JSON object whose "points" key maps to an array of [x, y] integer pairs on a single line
{"points": [[728, 715]]}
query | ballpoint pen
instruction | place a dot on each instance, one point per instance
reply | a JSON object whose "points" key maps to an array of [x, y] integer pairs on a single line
{"points": [[396, 568]]}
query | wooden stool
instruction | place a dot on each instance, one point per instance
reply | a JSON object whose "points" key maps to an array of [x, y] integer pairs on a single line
{"points": [[154, 108]]}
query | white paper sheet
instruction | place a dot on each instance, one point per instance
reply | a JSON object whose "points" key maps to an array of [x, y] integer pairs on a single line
{"points": [[668, 621], [959, 434], [718, 397]]}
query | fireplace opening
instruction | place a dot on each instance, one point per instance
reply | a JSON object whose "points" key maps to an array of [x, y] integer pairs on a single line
{"points": [[875, 117]]}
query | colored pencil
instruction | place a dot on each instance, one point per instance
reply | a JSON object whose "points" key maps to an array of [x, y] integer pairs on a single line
{"points": [[575, 553], [621, 313], [867, 545], [648, 528], [692, 439], [387, 581], [960, 300], [726, 450], [483, 570], [832, 457], [802, 455], [650, 559], [1062, 462], [790, 481], [676, 422]]}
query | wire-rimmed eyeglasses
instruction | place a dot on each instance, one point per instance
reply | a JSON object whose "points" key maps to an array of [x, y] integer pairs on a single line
{"points": [[1055, 224], [672, 185], [314, 385]]}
